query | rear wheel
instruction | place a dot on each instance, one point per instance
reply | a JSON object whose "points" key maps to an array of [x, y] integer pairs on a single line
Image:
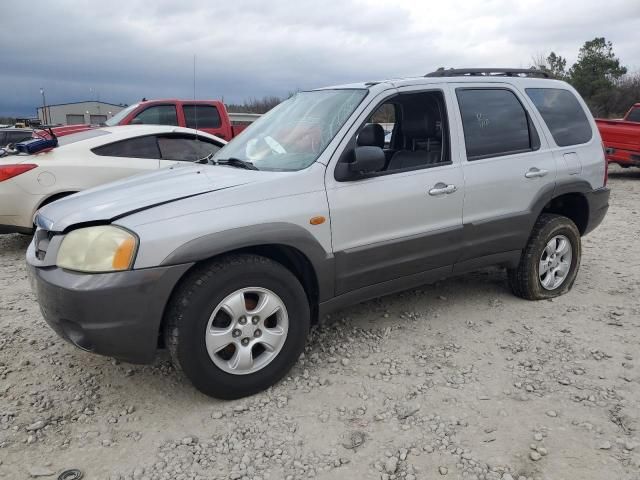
{"points": [[550, 262], [236, 326]]}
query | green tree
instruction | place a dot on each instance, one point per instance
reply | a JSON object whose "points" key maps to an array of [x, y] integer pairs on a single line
{"points": [[596, 71], [555, 65]]}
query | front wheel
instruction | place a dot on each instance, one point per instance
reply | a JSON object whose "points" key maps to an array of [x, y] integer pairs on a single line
{"points": [[550, 261], [237, 325]]}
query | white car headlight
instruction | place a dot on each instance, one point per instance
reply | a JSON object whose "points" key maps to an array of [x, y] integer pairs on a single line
{"points": [[103, 248]]}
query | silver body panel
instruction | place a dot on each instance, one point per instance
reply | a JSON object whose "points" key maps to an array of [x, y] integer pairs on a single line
{"points": [[173, 208]]}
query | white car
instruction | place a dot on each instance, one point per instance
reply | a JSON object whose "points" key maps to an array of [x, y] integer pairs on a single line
{"points": [[90, 158]]}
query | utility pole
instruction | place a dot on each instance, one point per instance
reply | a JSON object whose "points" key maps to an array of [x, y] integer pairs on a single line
{"points": [[44, 107]]}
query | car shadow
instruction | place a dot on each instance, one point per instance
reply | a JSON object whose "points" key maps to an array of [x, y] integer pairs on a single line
{"points": [[630, 173]]}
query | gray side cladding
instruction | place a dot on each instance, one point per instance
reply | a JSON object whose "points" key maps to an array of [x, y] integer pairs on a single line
{"points": [[278, 233]]}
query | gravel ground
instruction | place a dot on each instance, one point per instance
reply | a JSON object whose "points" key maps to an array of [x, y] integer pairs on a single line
{"points": [[454, 380]]}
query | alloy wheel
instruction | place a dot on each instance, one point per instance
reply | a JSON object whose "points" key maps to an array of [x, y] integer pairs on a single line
{"points": [[247, 330]]}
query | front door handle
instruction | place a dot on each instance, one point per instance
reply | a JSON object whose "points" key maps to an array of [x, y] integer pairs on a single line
{"points": [[535, 172], [441, 188]]}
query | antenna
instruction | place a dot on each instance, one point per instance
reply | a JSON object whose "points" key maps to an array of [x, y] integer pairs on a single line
{"points": [[195, 112], [195, 105]]}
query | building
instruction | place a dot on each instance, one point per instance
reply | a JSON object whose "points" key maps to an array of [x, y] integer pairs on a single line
{"points": [[75, 113]]}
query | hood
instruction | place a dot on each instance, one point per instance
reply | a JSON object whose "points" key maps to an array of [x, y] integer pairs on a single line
{"points": [[141, 192]]}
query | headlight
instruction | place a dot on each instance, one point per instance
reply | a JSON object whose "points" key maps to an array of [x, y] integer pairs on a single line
{"points": [[103, 248]]}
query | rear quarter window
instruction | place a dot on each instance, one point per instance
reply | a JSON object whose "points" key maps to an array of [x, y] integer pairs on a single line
{"points": [[563, 115], [202, 116], [634, 115], [139, 147]]}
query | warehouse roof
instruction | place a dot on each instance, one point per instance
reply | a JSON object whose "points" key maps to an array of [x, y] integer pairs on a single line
{"points": [[86, 101]]}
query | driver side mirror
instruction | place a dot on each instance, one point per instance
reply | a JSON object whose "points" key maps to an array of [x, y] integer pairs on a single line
{"points": [[359, 162], [367, 160]]}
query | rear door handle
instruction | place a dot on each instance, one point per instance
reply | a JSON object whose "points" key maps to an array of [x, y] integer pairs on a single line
{"points": [[441, 188], [534, 172]]}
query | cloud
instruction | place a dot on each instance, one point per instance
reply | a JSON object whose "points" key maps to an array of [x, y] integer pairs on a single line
{"points": [[123, 50]]}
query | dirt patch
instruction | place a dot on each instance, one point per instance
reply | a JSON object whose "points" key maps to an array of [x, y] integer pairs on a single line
{"points": [[455, 380]]}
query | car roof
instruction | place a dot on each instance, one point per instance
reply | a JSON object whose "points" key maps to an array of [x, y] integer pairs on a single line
{"points": [[123, 132]]}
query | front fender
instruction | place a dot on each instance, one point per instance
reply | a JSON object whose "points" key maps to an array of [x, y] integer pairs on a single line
{"points": [[277, 233]]}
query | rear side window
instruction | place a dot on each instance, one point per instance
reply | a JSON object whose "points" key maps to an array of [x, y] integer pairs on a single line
{"points": [[563, 115], [634, 115], [201, 116], [16, 137], [140, 147], [186, 149], [495, 123], [157, 115]]}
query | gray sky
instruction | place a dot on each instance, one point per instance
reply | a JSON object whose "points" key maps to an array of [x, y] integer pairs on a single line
{"points": [[123, 50]]}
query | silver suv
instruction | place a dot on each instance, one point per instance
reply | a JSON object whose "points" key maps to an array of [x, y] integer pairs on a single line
{"points": [[316, 206]]}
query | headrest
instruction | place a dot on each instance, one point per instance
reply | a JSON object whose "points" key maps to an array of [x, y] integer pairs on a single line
{"points": [[419, 127], [372, 135]]}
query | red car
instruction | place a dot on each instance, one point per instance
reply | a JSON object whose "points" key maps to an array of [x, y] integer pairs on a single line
{"points": [[207, 115], [621, 138]]}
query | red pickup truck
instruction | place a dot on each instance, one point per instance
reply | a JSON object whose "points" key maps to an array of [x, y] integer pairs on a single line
{"points": [[621, 138], [210, 116]]}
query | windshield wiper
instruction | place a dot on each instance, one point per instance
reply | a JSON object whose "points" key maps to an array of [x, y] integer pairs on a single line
{"points": [[235, 162]]}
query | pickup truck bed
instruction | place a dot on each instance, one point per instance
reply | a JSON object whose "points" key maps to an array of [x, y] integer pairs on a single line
{"points": [[621, 138]]}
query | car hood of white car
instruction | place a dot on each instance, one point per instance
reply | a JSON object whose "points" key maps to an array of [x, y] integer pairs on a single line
{"points": [[141, 192]]}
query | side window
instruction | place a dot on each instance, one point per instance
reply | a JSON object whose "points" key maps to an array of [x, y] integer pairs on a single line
{"points": [[140, 147], [186, 149], [563, 115], [201, 116], [634, 115], [495, 123], [16, 137], [157, 115], [385, 115], [412, 130]]}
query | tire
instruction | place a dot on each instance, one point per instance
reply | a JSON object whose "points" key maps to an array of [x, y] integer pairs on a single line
{"points": [[525, 280], [189, 320]]}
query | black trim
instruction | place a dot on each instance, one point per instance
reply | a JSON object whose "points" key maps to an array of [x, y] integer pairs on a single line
{"points": [[383, 288], [598, 201], [505, 259], [279, 233], [384, 261], [81, 308], [503, 234]]}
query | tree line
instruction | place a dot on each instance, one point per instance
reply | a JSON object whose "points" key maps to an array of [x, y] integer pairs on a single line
{"points": [[598, 75]]}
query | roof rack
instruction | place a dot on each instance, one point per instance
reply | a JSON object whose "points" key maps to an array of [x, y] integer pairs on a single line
{"points": [[489, 72]]}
